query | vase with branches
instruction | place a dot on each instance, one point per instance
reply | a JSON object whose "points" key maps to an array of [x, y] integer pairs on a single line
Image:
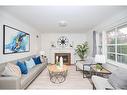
{"points": [[82, 50]]}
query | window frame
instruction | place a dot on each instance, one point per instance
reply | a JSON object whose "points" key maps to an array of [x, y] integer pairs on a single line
{"points": [[115, 29]]}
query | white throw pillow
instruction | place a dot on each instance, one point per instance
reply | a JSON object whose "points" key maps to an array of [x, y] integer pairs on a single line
{"points": [[12, 70], [30, 64]]}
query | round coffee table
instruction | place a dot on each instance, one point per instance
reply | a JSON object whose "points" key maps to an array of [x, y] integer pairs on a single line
{"points": [[57, 74]]}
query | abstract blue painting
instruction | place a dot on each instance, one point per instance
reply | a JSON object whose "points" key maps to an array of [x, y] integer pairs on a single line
{"points": [[15, 41]]}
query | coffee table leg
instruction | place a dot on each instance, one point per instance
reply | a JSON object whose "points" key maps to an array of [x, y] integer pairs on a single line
{"points": [[58, 77]]}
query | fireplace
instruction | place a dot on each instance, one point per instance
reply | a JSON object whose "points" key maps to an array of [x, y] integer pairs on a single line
{"points": [[66, 57]]}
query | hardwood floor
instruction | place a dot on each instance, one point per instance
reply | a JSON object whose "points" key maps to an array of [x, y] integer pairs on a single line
{"points": [[74, 80]]}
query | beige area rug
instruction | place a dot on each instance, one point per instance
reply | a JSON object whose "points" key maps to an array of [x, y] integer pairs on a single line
{"points": [[74, 80]]}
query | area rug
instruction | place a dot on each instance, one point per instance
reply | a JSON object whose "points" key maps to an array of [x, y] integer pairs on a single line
{"points": [[74, 80]]}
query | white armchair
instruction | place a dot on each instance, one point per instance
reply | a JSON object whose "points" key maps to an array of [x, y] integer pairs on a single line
{"points": [[84, 65]]}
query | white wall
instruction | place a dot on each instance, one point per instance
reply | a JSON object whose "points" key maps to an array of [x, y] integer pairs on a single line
{"points": [[10, 20], [47, 38]]}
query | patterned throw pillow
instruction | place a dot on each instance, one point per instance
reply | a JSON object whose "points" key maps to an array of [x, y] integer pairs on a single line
{"points": [[30, 64], [12, 70]]}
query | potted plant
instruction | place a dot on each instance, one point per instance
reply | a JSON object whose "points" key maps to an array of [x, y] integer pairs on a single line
{"points": [[98, 67], [82, 50]]}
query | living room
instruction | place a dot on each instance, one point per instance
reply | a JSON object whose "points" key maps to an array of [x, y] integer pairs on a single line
{"points": [[54, 35]]}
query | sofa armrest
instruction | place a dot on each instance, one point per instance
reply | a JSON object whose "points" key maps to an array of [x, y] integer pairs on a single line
{"points": [[10, 83], [101, 83]]}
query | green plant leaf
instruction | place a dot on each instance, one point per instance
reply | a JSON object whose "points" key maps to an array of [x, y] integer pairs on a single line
{"points": [[82, 50]]}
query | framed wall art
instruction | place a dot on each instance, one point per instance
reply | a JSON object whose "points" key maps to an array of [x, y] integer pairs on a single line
{"points": [[15, 41]]}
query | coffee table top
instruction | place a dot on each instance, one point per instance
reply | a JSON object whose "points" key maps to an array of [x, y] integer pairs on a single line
{"points": [[103, 71], [55, 68]]}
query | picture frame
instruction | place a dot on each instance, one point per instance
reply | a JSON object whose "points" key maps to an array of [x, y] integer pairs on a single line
{"points": [[15, 41]]}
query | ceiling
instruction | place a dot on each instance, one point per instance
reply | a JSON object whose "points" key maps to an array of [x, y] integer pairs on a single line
{"points": [[78, 18]]}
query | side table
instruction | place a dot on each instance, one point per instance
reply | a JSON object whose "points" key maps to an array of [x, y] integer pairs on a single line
{"points": [[104, 72]]}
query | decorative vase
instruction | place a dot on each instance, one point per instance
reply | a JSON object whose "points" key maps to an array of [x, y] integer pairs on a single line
{"points": [[98, 70]]}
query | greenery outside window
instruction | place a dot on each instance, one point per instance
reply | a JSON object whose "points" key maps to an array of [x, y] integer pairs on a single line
{"points": [[111, 37], [111, 45], [122, 58], [111, 48], [111, 56], [122, 49], [117, 44]]}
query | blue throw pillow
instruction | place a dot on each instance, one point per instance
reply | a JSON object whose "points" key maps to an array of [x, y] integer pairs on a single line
{"points": [[37, 60], [22, 67]]}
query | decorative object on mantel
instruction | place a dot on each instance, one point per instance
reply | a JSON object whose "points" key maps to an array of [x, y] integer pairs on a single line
{"points": [[82, 50], [63, 41], [71, 44], [53, 44], [37, 36]]}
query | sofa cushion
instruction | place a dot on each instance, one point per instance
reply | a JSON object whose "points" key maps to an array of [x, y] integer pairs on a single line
{"points": [[37, 60], [12, 70], [22, 67], [31, 75], [30, 63], [101, 83], [118, 78], [27, 78]]}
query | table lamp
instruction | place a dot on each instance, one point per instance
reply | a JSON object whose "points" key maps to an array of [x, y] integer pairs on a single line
{"points": [[42, 53], [100, 59]]}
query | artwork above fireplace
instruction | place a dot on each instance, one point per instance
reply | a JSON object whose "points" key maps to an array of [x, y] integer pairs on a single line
{"points": [[66, 57]]}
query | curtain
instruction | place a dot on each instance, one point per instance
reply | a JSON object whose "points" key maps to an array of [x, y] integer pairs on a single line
{"points": [[94, 44]]}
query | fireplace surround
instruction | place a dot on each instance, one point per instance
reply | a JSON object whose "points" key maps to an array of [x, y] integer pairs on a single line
{"points": [[66, 57]]}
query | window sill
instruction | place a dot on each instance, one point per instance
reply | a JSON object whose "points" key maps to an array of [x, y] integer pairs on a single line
{"points": [[122, 65]]}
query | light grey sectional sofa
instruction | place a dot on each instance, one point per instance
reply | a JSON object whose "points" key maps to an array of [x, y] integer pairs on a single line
{"points": [[24, 81]]}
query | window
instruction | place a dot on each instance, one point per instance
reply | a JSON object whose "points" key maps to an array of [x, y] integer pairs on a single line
{"points": [[117, 44], [111, 37], [111, 45]]}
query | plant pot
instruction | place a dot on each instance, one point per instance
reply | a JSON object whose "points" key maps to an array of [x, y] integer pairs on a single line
{"points": [[98, 70]]}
